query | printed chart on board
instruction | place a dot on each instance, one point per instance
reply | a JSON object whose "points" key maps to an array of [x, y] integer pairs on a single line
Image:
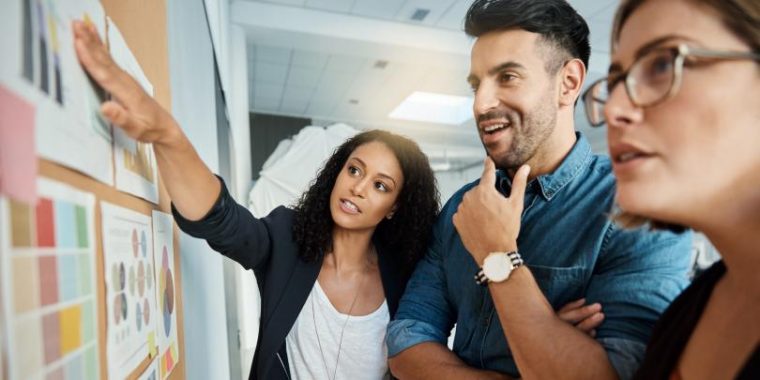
{"points": [[49, 291], [151, 373], [47, 73], [130, 289], [136, 170], [163, 243]]}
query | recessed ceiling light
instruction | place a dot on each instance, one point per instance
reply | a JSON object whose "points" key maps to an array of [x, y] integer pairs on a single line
{"points": [[434, 108], [420, 14]]}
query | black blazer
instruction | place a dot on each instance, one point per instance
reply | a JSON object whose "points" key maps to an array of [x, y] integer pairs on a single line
{"points": [[268, 248]]}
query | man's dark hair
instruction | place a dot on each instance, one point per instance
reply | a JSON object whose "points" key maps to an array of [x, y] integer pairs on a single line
{"points": [[555, 20]]}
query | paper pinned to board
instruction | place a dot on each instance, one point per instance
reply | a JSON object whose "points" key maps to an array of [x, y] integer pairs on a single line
{"points": [[130, 288], [42, 68], [136, 170], [124, 57], [50, 295], [18, 154], [163, 251], [151, 373]]}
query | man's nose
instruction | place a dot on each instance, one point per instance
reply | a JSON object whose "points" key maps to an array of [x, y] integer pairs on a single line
{"points": [[485, 99]]}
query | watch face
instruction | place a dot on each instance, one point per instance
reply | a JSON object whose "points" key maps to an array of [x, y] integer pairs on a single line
{"points": [[497, 267]]}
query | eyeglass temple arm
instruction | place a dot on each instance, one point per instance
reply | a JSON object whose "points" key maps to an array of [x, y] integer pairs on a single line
{"points": [[720, 54]]}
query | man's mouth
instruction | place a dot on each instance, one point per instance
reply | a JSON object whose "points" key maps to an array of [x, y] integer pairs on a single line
{"points": [[495, 127], [492, 126]]}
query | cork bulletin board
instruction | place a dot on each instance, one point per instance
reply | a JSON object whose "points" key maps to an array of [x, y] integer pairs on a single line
{"points": [[53, 309]]}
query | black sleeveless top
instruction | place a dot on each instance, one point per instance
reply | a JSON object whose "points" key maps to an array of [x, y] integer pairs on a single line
{"points": [[676, 325]]}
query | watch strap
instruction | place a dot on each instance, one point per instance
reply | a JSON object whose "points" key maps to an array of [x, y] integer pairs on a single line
{"points": [[513, 256]]}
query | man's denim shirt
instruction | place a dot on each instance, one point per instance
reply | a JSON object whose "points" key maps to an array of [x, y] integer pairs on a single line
{"points": [[573, 250]]}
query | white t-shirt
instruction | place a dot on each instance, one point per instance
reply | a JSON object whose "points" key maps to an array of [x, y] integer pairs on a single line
{"points": [[363, 354]]}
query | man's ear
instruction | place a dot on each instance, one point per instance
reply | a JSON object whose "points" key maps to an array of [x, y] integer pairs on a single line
{"points": [[572, 76]]}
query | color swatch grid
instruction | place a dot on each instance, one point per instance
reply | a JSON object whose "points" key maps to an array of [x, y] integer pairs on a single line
{"points": [[49, 285]]}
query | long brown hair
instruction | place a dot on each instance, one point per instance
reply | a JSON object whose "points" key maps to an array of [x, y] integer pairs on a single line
{"points": [[741, 17]]}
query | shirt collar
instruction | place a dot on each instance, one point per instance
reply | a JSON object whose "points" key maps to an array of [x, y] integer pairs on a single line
{"points": [[550, 184]]}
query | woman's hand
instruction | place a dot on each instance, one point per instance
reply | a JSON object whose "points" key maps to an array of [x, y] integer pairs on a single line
{"points": [[131, 109], [585, 317], [192, 187]]}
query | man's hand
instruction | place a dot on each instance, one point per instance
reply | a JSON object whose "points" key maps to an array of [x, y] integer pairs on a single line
{"points": [[131, 109], [585, 317], [487, 221]]}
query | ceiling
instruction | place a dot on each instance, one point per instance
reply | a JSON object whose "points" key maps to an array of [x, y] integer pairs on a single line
{"points": [[354, 61]]}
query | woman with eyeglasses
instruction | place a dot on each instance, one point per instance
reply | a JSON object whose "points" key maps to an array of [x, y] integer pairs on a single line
{"points": [[682, 107]]}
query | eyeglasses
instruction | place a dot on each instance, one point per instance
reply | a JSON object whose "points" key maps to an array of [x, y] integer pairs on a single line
{"points": [[653, 78]]}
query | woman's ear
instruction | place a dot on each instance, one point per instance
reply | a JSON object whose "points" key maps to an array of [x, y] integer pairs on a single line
{"points": [[393, 211]]}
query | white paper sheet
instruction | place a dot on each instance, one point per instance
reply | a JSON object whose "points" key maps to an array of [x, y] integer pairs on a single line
{"points": [[163, 249], [151, 373], [135, 163], [43, 68], [130, 288], [123, 56], [49, 288], [136, 169]]}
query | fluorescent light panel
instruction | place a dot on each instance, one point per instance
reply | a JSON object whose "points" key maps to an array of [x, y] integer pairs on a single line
{"points": [[434, 108]]}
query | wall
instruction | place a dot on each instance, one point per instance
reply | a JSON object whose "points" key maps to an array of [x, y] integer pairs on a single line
{"points": [[194, 106], [450, 182], [267, 131]]}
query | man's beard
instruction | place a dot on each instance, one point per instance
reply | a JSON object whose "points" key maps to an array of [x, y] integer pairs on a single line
{"points": [[534, 130]]}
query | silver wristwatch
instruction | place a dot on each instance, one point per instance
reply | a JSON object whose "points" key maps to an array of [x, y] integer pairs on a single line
{"points": [[497, 267]]}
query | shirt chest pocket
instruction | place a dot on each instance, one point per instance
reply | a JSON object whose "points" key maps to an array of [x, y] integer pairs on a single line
{"points": [[560, 285]]}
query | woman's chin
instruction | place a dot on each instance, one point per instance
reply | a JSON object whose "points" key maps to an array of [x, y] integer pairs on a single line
{"points": [[638, 202]]}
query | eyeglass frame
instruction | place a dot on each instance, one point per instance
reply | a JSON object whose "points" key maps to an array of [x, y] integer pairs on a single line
{"points": [[683, 51]]}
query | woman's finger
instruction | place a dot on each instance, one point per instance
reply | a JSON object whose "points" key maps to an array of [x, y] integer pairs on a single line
{"points": [[122, 118], [573, 305], [579, 314], [591, 323], [91, 57], [115, 113], [97, 61]]}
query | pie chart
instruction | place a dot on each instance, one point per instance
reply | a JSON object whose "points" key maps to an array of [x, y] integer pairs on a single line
{"points": [[166, 282]]}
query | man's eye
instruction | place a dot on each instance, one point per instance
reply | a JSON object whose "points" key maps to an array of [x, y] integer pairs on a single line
{"points": [[507, 77]]}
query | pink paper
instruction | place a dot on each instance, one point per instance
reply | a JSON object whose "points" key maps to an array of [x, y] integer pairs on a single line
{"points": [[18, 154]]}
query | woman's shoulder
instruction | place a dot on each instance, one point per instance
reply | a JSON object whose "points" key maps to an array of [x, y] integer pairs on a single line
{"points": [[281, 215], [672, 331], [691, 302]]}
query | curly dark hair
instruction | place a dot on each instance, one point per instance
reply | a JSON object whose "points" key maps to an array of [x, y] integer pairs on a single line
{"points": [[555, 20], [406, 235]]}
